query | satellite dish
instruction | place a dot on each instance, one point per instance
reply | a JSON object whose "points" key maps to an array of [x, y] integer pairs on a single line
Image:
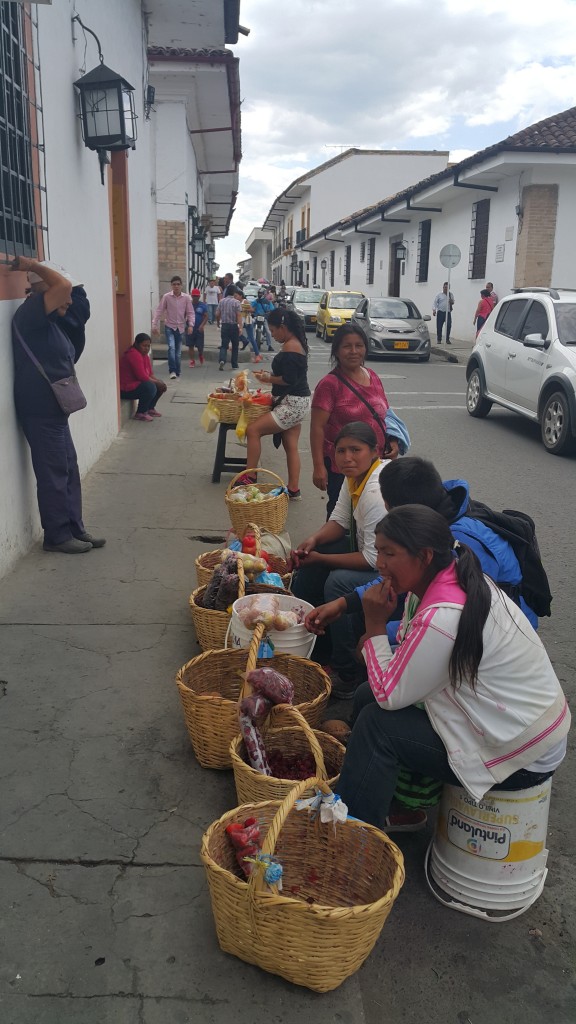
{"points": [[450, 256]]}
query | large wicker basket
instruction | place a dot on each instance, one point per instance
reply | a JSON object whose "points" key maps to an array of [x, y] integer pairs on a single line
{"points": [[210, 687], [339, 886], [297, 739], [228, 407], [270, 514], [206, 563], [211, 626]]}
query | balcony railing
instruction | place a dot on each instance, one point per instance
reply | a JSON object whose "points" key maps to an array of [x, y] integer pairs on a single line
{"points": [[300, 236]]}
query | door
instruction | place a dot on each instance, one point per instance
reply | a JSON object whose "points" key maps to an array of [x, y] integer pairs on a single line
{"points": [[497, 341], [526, 365], [394, 270]]}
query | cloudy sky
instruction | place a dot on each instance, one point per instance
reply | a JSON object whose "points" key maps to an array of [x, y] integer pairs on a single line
{"points": [[319, 75]]}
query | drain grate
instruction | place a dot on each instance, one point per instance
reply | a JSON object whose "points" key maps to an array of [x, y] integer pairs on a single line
{"points": [[208, 538]]}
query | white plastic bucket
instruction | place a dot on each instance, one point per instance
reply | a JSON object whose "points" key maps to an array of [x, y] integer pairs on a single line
{"points": [[294, 640], [490, 854]]}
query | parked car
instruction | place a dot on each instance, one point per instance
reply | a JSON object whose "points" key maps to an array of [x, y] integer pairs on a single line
{"points": [[334, 309], [394, 327], [304, 301], [525, 360]]}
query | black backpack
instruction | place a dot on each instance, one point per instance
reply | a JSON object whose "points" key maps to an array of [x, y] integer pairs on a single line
{"points": [[520, 532]]}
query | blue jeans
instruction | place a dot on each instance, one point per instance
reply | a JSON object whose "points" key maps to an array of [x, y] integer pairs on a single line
{"points": [[317, 584], [212, 307], [230, 335], [248, 331], [384, 741], [174, 341]]}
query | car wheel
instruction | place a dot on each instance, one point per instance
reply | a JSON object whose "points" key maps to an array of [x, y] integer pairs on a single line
{"points": [[424, 359], [476, 404], [555, 425]]}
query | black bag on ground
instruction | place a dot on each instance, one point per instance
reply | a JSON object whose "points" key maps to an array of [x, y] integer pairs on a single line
{"points": [[520, 531]]}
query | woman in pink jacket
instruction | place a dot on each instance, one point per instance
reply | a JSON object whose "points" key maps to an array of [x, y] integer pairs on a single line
{"points": [[137, 379], [469, 696]]}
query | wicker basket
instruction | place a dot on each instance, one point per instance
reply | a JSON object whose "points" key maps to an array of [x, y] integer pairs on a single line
{"points": [[339, 886], [297, 739], [253, 410], [206, 563], [211, 626], [210, 686], [228, 406], [270, 514]]}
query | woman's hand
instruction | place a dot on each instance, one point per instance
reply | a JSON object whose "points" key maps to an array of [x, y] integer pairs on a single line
{"points": [[262, 375], [317, 620], [378, 603], [21, 263], [320, 478], [302, 553], [392, 449], [160, 384]]}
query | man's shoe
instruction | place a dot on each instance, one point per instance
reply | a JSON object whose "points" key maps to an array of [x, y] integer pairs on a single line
{"points": [[191, 363], [201, 360], [154, 413], [96, 542], [448, 342], [221, 365], [173, 376], [405, 821], [69, 547]]}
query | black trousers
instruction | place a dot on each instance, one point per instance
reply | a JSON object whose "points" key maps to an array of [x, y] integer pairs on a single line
{"points": [[58, 486], [440, 318]]}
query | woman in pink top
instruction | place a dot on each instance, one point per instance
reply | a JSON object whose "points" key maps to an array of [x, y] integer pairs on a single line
{"points": [[483, 309], [137, 379], [350, 392]]}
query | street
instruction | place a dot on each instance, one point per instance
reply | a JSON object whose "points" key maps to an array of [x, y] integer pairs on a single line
{"points": [[105, 913]]}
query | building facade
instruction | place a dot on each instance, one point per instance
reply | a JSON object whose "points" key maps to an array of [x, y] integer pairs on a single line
{"points": [[122, 238]]}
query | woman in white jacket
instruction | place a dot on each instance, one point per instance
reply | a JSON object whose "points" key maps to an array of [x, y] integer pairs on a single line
{"points": [[341, 554], [469, 697]]}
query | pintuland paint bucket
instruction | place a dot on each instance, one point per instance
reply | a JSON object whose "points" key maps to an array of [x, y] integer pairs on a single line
{"points": [[490, 854], [294, 640]]}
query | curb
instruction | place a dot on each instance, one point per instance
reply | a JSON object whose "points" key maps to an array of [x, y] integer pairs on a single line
{"points": [[443, 356]]}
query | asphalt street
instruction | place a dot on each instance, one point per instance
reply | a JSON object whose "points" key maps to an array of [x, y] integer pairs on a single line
{"points": [[105, 917]]}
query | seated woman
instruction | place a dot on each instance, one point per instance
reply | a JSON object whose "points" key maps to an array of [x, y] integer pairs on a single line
{"points": [[137, 379], [330, 563], [493, 712]]}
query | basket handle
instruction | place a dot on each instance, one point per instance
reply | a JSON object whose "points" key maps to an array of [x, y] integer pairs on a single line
{"points": [[241, 577], [257, 635], [255, 529], [256, 881], [301, 722], [253, 469]]}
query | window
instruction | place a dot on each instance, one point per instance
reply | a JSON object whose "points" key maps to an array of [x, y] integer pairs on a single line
{"points": [[370, 261], [331, 266], [479, 239], [510, 316], [536, 321], [362, 251], [314, 269], [347, 262], [423, 253], [20, 206]]}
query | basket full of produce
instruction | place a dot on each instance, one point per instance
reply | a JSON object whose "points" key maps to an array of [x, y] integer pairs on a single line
{"points": [[298, 888], [251, 546], [211, 605], [228, 403], [263, 503]]}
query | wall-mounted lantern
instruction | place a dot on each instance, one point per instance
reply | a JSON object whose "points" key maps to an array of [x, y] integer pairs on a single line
{"points": [[401, 251]]}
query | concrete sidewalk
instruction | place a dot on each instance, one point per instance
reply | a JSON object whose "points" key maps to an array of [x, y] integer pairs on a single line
{"points": [[105, 912]]}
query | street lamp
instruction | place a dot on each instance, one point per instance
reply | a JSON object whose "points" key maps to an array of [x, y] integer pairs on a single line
{"points": [[294, 266], [323, 265]]}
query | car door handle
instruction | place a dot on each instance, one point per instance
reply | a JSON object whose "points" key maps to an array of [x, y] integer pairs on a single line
{"points": [[511, 355], [488, 344]]}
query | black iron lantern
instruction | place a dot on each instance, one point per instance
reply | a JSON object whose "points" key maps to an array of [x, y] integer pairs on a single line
{"points": [[107, 110], [199, 245], [401, 251]]}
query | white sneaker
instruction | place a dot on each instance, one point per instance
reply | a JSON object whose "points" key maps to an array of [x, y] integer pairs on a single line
{"points": [[173, 376]]}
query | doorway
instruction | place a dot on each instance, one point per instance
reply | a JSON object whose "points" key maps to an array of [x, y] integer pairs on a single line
{"points": [[394, 268], [120, 241]]}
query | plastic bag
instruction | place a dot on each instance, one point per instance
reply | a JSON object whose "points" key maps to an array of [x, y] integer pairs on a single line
{"points": [[210, 418], [272, 579], [272, 685], [261, 608]]}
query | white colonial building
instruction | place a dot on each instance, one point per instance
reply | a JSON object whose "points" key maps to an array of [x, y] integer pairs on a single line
{"points": [[160, 206], [510, 209]]}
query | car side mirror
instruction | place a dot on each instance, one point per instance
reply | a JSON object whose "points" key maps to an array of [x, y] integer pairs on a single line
{"points": [[535, 341], [427, 317]]}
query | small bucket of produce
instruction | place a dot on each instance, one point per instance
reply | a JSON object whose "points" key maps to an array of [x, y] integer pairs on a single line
{"points": [[283, 616], [298, 888], [254, 553], [269, 761], [263, 503], [210, 686]]}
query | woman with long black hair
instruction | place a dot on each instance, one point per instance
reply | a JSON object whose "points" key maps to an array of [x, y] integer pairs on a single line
{"points": [[469, 697], [289, 379]]}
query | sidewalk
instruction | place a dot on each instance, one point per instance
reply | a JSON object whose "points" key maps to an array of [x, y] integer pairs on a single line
{"points": [[458, 351]]}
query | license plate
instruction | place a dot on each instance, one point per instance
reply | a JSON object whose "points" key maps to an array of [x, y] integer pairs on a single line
{"points": [[401, 344], [312, 319]]}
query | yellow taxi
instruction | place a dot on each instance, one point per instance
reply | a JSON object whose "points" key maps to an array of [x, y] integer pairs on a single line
{"points": [[335, 309]]}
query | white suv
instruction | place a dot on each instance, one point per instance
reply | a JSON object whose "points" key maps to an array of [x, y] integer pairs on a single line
{"points": [[525, 359]]}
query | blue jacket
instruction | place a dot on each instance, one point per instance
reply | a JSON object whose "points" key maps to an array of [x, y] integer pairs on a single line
{"points": [[494, 553]]}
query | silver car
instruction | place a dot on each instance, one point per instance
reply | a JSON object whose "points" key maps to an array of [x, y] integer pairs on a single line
{"points": [[304, 301], [394, 327]]}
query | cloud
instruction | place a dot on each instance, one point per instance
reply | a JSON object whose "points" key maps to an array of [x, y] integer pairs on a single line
{"points": [[394, 74]]}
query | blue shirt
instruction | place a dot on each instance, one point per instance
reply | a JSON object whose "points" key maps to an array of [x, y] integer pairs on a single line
{"points": [[200, 311]]}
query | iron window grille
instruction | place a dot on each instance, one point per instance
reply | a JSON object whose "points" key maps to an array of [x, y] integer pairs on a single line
{"points": [[331, 265], [23, 206], [347, 263], [423, 252], [370, 261], [479, 239], [362, 251]]}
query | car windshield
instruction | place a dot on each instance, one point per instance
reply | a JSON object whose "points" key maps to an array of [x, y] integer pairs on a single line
{"points": [[566, 320], [306, 296], [344, 300], [393, 309]]}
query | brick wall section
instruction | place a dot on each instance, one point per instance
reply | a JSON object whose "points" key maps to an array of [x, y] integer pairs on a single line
{"points": [[171, 253], [535, 247]]}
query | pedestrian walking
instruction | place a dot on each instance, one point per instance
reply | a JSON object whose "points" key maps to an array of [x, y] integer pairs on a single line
{"points": [[247, 335], [200, 321], [212, 296], [178, 315], [483, 310], [490, 288], [442, 310], [229, 318]]}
